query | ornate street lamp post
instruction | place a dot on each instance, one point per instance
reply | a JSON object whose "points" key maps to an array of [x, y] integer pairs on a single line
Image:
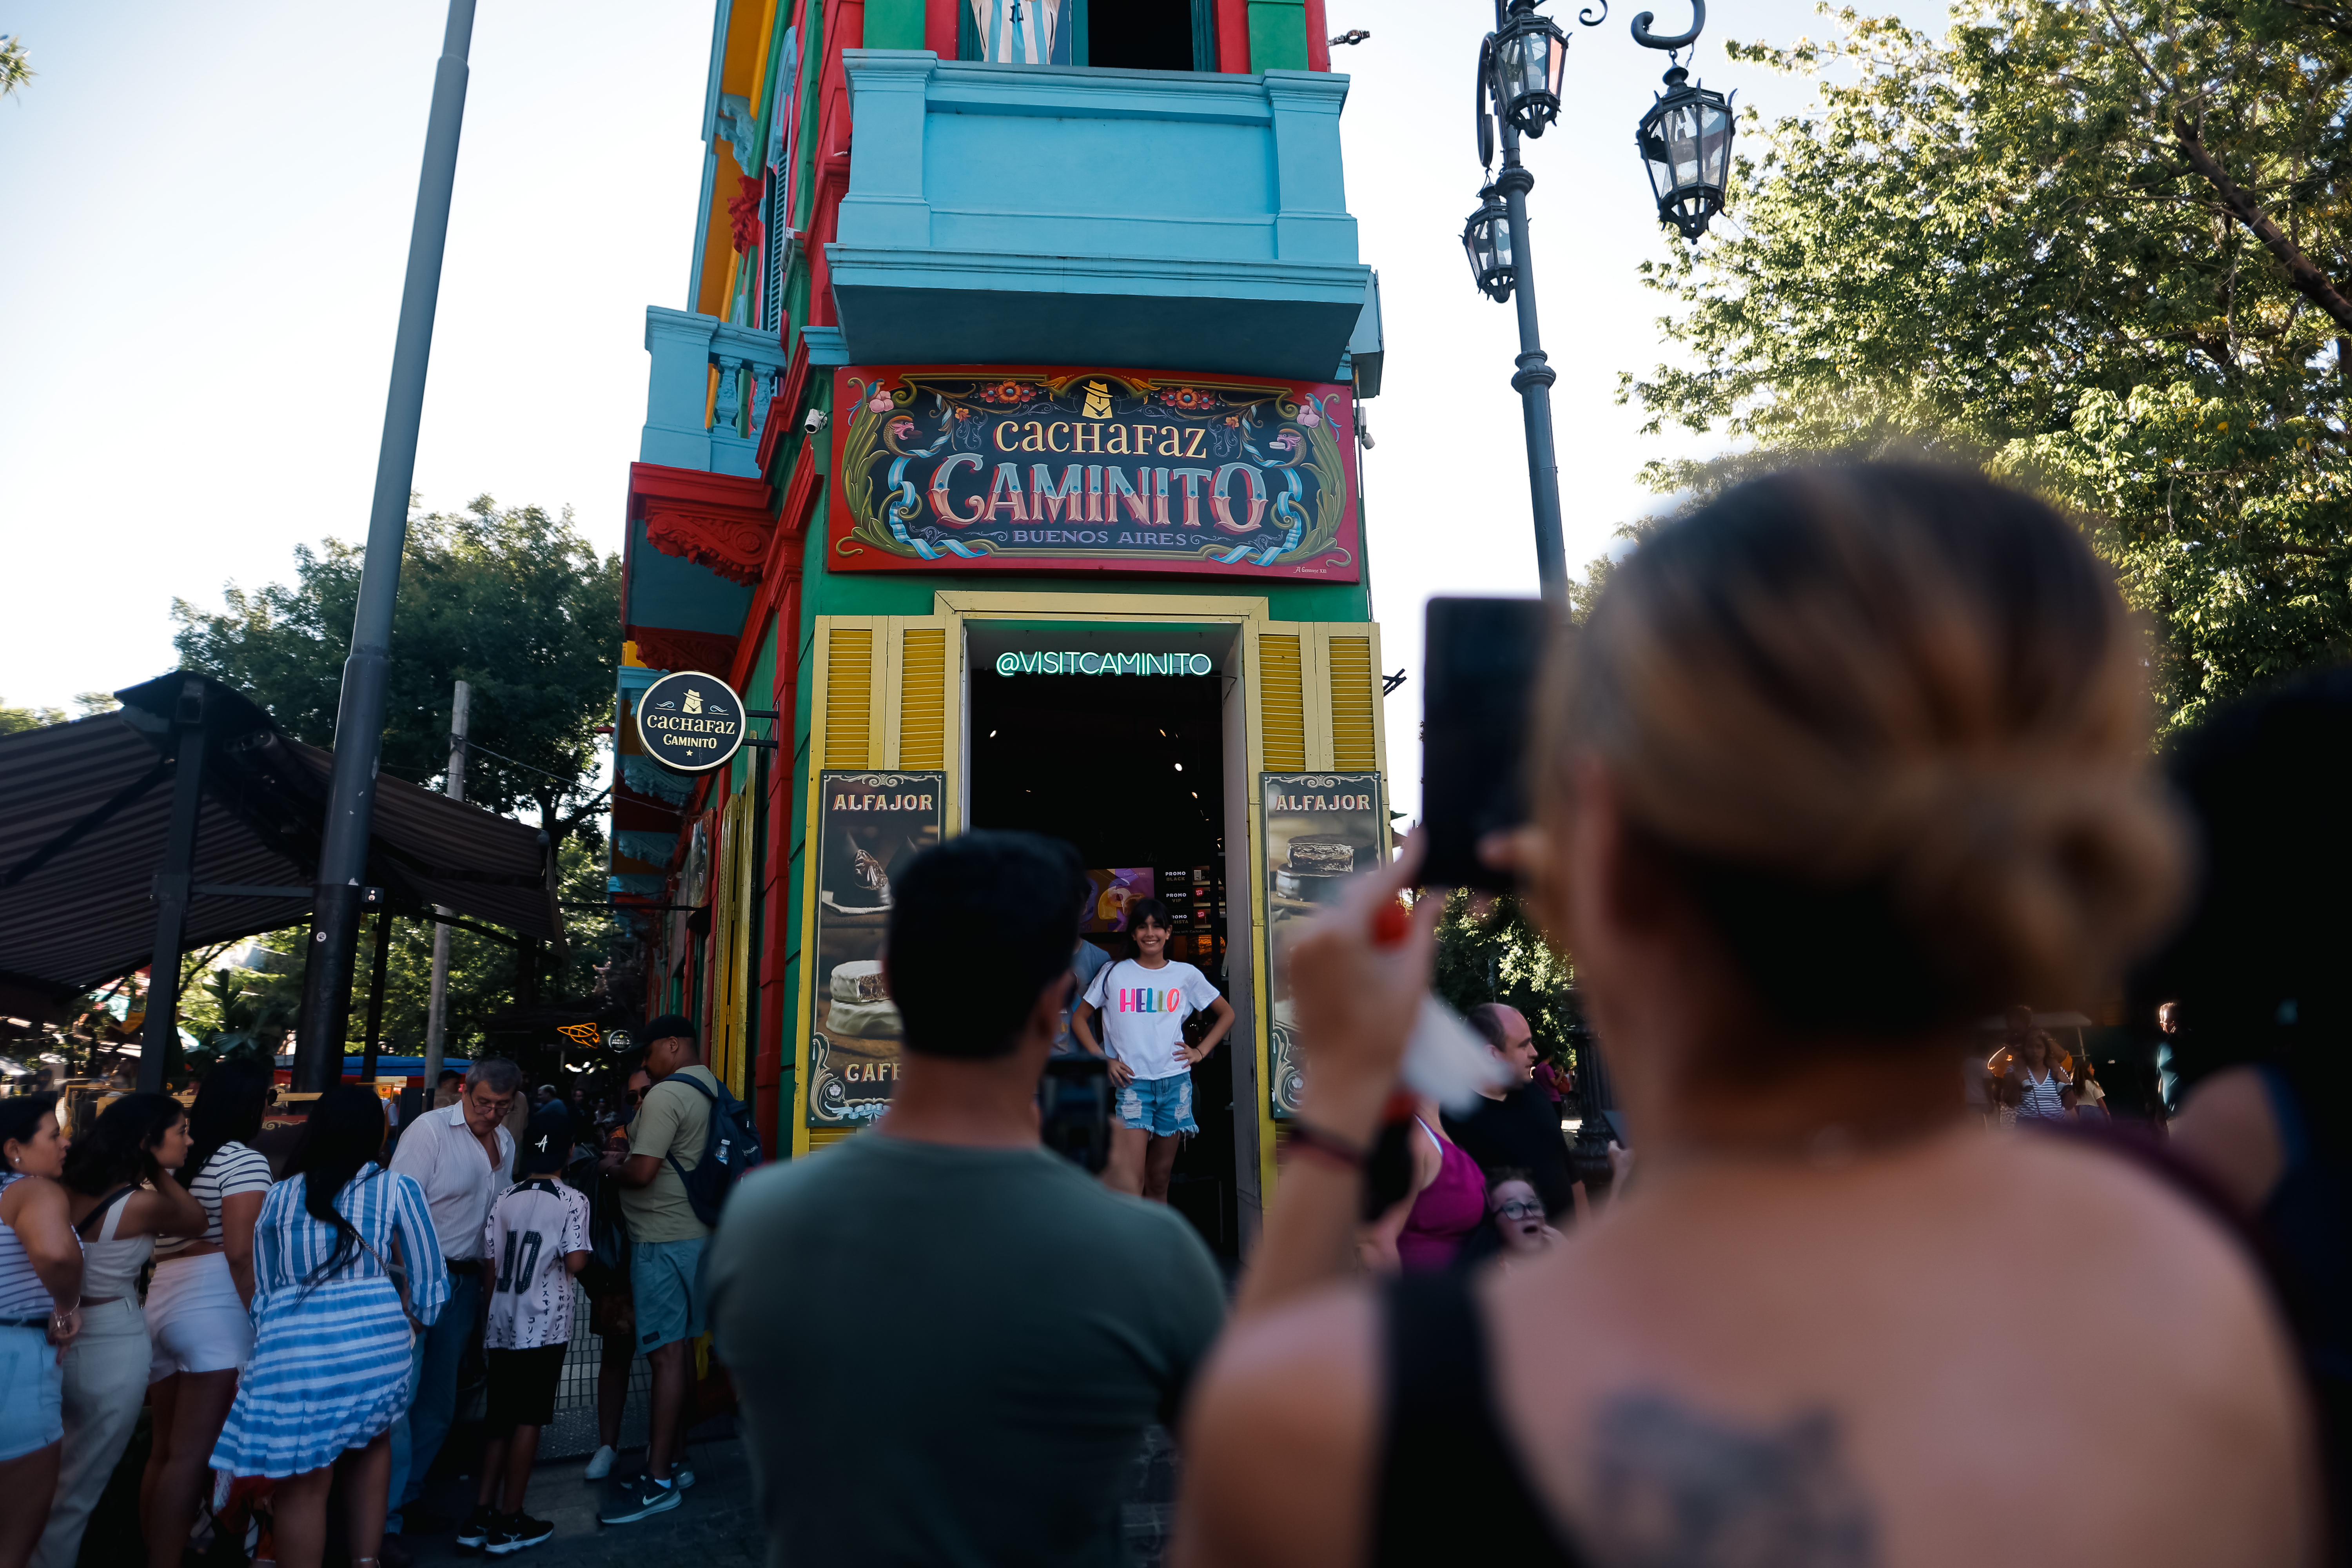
{"points": [[1685, 144]]}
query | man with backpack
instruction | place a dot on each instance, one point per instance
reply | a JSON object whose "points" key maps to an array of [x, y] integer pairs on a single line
{"points": [[687, 1147]]}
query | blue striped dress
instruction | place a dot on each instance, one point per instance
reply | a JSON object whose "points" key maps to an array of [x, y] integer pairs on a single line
{"points": [[329, 1366]]}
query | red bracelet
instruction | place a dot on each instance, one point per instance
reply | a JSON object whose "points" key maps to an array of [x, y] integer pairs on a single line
{"points": [[1339, 1151]]}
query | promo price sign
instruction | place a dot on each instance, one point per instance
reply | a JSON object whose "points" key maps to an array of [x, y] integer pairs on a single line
{"points": [[690, 722]]}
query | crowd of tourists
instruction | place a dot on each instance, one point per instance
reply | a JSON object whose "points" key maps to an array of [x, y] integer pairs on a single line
{"points": [[305, 1330], [1838, 766]]}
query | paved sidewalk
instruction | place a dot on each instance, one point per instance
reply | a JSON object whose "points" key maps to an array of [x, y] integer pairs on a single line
{"points": [[714, 1527]]}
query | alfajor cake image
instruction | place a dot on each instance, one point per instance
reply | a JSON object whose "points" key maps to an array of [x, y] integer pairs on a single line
{"points": [[859, 1001], [1318, 863]]}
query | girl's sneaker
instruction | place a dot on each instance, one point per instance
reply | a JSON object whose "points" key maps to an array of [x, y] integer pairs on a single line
{"points": [[600, 1464], [517, 1530], [473, 1533]]}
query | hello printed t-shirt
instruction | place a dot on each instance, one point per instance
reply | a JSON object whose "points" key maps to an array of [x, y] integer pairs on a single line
{"points": [[1143, 1012]]}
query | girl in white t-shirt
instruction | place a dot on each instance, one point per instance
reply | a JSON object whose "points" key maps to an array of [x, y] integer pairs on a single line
{"points": [[1143, 1002]]}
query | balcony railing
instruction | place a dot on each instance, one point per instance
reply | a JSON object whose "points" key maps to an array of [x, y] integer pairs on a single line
{"points": [[708, 397], [1064, 215]]}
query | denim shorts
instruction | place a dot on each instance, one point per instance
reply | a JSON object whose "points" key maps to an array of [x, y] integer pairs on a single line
{"points": [[32, 1392], [1160, 1106], [665, 1282]]}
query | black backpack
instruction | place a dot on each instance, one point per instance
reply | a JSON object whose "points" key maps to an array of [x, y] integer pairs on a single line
{"points": [[729, 1153]]}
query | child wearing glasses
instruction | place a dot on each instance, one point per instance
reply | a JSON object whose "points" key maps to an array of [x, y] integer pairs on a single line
{"points": [[1517, 1215]]}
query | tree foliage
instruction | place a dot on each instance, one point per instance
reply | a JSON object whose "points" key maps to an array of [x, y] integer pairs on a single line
{"points": [[519, 605], [2092, 248], [506, 598], [16, 70], [1491, 952]]}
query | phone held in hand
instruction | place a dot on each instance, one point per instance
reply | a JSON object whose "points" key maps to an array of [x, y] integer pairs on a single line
{"points": [[1479, 658]]}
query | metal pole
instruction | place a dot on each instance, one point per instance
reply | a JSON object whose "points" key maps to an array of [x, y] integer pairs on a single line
{"points": [[436, 1014], [359, 720], [1534, 379], [375, 992], [160, 1030]]}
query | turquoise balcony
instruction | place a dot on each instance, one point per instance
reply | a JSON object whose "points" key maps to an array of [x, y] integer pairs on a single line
{"points": [[689, 425], [1067, 215]]}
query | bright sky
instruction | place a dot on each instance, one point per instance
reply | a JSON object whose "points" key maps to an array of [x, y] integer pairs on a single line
{"points": [[197, 346]]}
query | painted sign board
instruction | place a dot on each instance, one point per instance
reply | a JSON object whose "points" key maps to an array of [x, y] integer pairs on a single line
{"points": [[1320, 830], [690, 722], [869, 824], [1053, 468]]}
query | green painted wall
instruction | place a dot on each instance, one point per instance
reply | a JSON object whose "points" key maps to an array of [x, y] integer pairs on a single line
{"points": [[1277, 34], [894, 24]]}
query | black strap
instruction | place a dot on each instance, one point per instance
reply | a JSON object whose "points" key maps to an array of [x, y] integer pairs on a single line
{"points": [[1450, 1488], [88, 1227]]}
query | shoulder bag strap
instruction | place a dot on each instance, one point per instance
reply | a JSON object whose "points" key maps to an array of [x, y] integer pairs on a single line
{"points": [[90, 1222]]}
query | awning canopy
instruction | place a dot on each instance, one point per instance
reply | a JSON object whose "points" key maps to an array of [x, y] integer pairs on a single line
{"points": [[87, 807]]}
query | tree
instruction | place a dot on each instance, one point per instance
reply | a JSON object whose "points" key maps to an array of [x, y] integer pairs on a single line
{"points": [[2091, 248], [14, 72], [519, 605], [1491, 952], [509, 599], [13, 719]]}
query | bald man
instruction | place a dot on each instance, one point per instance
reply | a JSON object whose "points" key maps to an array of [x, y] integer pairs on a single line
{"points": [[1515, 1126]]}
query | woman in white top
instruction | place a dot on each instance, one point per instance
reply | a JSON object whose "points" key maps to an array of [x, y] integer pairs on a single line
{"points": [[199, 1305], [121, 1195]]}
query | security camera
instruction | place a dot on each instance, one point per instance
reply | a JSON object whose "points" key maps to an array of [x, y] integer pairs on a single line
{"points": [[814, 421]]}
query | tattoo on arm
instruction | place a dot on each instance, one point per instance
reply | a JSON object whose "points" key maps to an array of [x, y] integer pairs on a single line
{"points": [[1675, 1488]]}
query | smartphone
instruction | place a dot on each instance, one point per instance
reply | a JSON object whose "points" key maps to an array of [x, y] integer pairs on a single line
{"points": [[1479, 658], [1074, 1105]]}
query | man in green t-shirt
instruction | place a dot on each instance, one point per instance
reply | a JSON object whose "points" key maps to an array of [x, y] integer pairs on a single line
{"points": [[666, 1256], [947, 1340]]}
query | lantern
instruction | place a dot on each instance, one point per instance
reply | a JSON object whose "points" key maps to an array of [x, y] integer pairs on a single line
{"points": [[1530, 54], [1486, 238], [1686, 142]]}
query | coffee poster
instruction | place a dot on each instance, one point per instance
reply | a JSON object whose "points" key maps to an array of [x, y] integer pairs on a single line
{"points": [[1320, 830], [869, 824]]}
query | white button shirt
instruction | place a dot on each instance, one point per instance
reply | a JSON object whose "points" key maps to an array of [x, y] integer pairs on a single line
{"points": [[446, 1160]]}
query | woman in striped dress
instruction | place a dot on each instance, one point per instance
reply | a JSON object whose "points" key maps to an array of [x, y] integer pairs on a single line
{"points": [[329, 1369]]}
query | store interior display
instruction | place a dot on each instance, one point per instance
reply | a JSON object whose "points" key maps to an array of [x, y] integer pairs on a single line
{"points": [[1132, 771]]}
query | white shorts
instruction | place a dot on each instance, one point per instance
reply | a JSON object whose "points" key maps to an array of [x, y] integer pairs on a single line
{"points": [[196, 1318]]}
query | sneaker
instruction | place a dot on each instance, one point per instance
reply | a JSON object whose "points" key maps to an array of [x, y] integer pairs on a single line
{"points": [[517, 1530], [680, 1476], [599, 1464], [641, 1498], [475, 1533]]}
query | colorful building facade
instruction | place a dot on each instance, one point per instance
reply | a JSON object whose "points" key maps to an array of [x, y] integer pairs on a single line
{"points": [[1010, 458]]}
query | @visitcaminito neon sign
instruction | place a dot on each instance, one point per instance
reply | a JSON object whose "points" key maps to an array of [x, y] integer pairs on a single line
{"points": [[1066, 663]]}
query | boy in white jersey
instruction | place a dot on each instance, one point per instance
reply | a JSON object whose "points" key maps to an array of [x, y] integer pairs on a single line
{"points": [[1143, 1002], [536, 1241]]}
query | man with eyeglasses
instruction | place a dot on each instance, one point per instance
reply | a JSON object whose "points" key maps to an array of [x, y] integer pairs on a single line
{"points": [[463, 1157]]}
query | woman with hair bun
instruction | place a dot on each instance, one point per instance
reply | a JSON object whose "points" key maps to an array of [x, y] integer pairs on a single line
{"points": [[1840, 763]]}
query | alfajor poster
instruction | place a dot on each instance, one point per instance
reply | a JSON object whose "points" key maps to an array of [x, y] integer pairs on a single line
{"points": [[1320, 830], [870, 824]]}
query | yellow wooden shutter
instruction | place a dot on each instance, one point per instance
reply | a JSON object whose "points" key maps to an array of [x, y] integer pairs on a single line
{"points": [[923, 697], [849, 697], [1282, 703], [1355, 746]]}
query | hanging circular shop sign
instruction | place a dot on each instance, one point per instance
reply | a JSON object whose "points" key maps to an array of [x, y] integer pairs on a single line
{"points": [[690, 722]]}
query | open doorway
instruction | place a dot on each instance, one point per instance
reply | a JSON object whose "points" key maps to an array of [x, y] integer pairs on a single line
{"points": [[1131, 770], [1145, 35]]}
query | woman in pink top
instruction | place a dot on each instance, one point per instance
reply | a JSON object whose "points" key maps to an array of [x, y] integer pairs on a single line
{"points": [[1422, 1231]]}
